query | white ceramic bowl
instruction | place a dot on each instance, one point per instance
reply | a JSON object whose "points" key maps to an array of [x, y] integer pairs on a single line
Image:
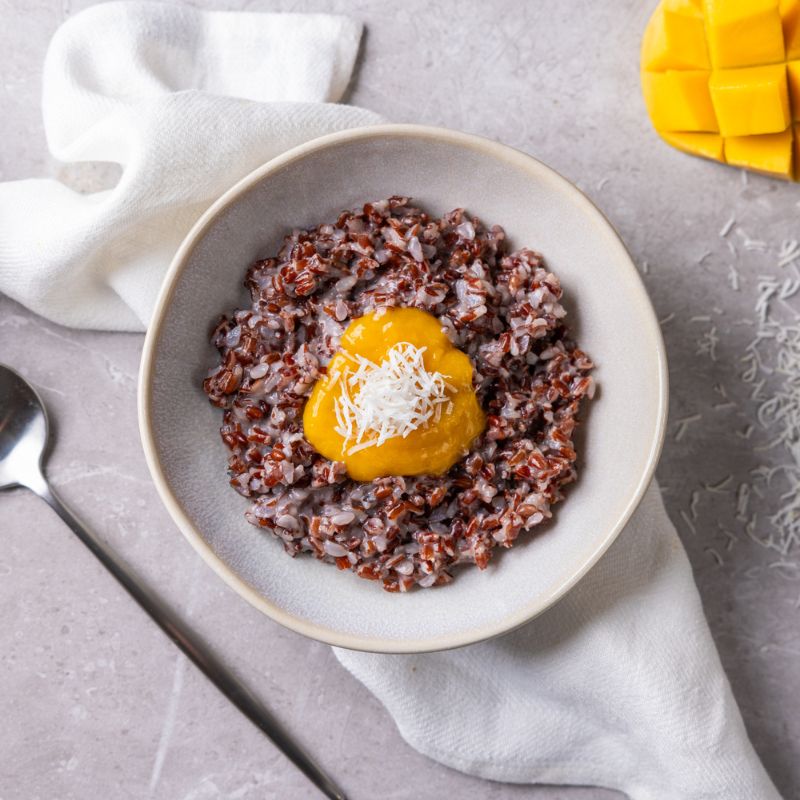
{"points": [[609, 312]]}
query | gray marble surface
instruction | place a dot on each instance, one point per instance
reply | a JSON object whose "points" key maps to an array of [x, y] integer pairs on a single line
{"points": [[94, 702]]}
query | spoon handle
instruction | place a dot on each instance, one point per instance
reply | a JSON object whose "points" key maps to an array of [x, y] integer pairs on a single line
{"points": [[192, 646]]}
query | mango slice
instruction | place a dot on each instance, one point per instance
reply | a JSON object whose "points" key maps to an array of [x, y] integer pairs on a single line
{"points": [[721, 80]]}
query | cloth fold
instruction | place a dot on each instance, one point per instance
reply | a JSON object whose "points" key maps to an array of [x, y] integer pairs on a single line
{"points": [[187, 102], [619, 685]]}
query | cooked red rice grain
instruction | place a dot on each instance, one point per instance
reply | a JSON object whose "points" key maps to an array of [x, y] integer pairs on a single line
{"points": [[502, 308]]}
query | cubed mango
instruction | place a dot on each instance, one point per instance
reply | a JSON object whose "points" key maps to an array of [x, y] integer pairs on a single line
{"points": [[679, 100], [706, 145], [743, 33], [675, 38], [770, 153], [751, 100], [745, 108]]}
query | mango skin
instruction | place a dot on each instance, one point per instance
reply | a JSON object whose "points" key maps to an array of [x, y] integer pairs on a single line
{"points": [[793, 78], [753, 83]]}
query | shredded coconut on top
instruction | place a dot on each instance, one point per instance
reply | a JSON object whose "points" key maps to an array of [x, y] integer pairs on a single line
{"points": [[390, 399]]}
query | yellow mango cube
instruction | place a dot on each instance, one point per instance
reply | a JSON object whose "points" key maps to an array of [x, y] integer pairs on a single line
{"points": [[790, 16], [743, 33], [675, 38], [770, 153], [793, 75], [751, 100], [705, 145], [679, 100]]}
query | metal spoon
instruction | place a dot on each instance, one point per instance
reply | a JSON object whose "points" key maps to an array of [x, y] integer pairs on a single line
{"points": [[23, 444]]}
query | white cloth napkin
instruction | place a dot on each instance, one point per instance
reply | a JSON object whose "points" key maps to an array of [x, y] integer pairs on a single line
{"points": [[187, 102], [619, 685]]}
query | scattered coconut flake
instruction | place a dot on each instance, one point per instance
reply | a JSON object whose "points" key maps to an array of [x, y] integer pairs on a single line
{"points": [[771, 368], [683, 424], [750, 244], [726, 228], [707, 343], [693, 504], [719, 486], [788, 253], [731, 538], [689, 523], [733, 277]]}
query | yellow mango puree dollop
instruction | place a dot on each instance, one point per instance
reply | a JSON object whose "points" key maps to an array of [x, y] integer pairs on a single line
{"points": [[432, 447]]}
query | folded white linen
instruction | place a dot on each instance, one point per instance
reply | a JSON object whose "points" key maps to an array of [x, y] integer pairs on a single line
{"points": [[187, 102], [618, 685]]}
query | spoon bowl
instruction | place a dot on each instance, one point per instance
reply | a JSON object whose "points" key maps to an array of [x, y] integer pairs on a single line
{"points": [[23, 431]]}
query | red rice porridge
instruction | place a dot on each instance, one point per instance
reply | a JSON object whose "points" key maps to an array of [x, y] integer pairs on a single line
{"points": [[501, 308]]}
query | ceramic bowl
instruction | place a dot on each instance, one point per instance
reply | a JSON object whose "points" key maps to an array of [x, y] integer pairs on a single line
{"points": [[610, 315]]}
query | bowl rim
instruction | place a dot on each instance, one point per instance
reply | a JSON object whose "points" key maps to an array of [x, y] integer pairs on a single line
{"points": [[522, 615]]}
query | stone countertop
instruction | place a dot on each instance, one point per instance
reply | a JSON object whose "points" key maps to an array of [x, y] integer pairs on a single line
{"points": [[96, 703]]}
